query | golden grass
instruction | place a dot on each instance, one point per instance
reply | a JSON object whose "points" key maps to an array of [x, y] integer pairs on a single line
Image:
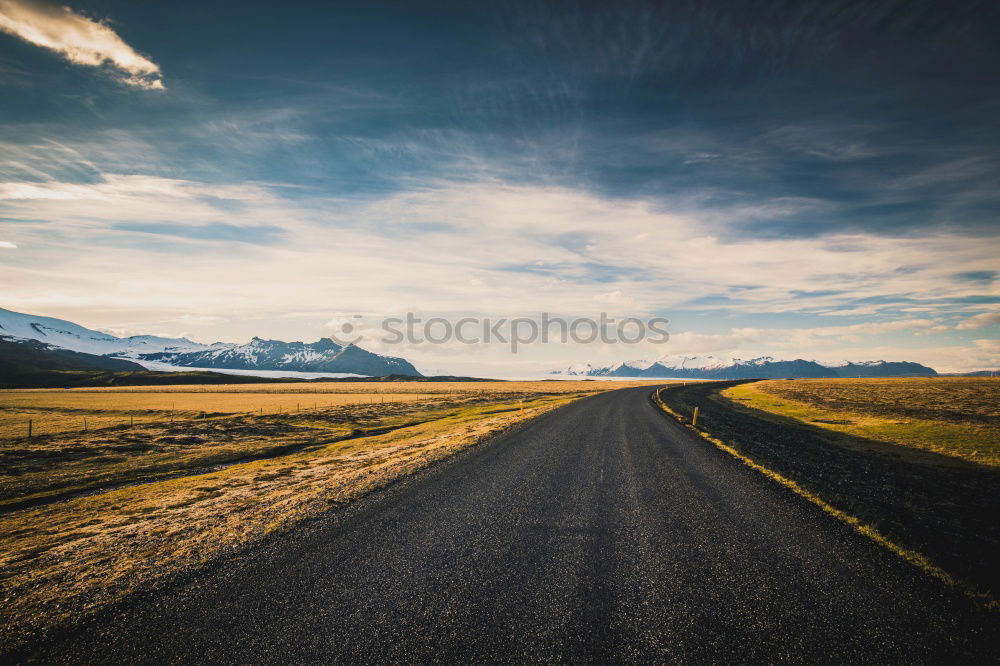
{"points": [[954, 416], [60, 413], [14, 421], [57, 465], [228, 403], [64, 410], [371, 388]]}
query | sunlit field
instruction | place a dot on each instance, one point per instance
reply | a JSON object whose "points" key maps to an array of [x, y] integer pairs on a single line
{"points": [[955, 416], [54, 410], [371, 388], [76, 410]]}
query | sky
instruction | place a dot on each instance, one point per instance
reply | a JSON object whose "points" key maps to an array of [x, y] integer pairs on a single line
{"points": [[797, 179]]}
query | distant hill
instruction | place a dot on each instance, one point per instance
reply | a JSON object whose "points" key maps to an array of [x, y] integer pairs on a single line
{"points": [[974, 373], [33, 363], [325, 355], [30, 355], [765, 367]]}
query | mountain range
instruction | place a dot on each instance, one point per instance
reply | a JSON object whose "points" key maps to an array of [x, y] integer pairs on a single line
{"points": [[325, 355], [329, 356], [764, 367]]}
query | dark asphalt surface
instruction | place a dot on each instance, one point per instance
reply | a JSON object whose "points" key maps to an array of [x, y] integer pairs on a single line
{"points": [[601, 532]]}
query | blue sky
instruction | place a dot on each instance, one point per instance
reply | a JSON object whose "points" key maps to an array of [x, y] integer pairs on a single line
{"points": [[814, 179]]}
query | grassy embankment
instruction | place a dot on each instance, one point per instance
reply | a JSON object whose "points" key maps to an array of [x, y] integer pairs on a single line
{"points": [[195, 492], [954, 416]]}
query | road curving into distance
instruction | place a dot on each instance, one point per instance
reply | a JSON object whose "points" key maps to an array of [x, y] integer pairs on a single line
{"points": [[600, 532]]}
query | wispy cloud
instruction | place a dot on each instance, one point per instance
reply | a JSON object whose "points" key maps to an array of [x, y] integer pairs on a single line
{"points": [[80, 40], [979, 321], [7, 245], [217, 231], [479, 243]]}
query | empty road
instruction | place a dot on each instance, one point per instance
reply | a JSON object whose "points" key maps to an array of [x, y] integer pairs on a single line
{"points": [[601, 532]]}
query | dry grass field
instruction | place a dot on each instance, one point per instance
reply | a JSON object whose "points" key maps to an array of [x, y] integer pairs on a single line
{"points": [[75, 410], [72, 411], [955, 416], [88, 518], [370, 388]]}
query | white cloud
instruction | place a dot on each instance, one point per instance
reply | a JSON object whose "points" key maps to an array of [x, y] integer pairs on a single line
{"points": [[78, 39], [617, 300], [8, 245], [979, 321], [116, 188], [857, 332], [485, 249], [991, 346], [934, 330]]}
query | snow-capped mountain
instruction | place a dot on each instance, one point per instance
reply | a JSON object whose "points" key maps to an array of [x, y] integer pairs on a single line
{"points": [[67, 335], [322, 356], [764, 367], [578, 369]]}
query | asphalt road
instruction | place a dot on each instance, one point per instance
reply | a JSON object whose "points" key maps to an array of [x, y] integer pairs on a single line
{"points": [[601, 532]]}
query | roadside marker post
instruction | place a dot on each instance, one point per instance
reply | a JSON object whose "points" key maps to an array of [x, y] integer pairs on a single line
{"points": [[694, 419], [29, 427]]}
